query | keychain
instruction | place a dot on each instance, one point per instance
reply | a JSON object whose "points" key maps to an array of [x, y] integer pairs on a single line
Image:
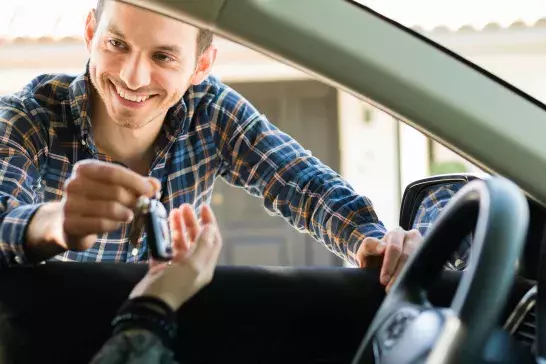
{"points": [[151, 215]]}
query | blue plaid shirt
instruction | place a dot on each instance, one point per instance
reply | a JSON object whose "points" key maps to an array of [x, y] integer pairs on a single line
{"points": [[211, 132]]}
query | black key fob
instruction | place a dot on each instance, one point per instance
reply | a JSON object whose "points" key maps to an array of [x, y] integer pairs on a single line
{"points": [[156, 223]]}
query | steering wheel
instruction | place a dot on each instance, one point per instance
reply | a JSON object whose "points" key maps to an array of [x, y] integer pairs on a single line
{"points": [[407, 328]]}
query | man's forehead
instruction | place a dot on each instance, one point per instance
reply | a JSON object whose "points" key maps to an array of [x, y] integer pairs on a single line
{"points": [[116, 9], [128, 21]]}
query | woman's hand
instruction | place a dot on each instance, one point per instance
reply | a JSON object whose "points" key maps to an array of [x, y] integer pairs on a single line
{"points": [[196, 247]]}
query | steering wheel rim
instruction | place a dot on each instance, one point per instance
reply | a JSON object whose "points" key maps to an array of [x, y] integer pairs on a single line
{"points": [[498, 212]]}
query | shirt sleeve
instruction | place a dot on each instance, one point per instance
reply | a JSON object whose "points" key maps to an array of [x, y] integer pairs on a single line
{"points": [[134, 347], [22, 147], [293, 183]]}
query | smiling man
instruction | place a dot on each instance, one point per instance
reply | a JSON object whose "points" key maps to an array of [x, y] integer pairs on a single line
{"points": [[146, 116]]}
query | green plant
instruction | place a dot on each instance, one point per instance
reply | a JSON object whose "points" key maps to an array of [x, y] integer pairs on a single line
{"points": [[447, 167]]}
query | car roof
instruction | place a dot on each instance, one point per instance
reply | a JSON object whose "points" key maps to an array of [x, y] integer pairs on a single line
{"points": [[349, 46]]}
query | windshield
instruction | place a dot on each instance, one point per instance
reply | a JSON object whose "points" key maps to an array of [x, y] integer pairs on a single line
{"points": [[507, 39]]}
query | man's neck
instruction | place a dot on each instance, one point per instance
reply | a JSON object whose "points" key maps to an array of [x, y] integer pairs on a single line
{"points": [[133, 147]]}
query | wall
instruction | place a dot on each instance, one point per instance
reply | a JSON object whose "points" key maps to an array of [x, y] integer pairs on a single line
{"points": [[369, 155]]}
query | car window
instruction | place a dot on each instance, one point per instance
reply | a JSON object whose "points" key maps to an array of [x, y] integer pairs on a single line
{"points": [[375, 153]]}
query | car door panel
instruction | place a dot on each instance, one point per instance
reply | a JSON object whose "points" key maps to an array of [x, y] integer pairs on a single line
{"points": [[246, 315]]}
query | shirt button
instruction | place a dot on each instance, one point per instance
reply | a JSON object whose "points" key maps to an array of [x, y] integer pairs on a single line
{"points": [[134, 253]]}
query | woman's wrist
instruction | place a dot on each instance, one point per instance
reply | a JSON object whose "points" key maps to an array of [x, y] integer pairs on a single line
{"points": [[148, 313]]}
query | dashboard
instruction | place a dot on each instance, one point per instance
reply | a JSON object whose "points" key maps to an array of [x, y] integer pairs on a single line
{"points": [[522, 321], [530, 259]]}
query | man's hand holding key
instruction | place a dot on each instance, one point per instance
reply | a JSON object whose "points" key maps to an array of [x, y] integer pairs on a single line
{"points": [[98, 198]]}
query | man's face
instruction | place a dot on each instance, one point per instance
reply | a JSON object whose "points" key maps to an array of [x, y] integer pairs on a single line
{"points": [[141, 63]]}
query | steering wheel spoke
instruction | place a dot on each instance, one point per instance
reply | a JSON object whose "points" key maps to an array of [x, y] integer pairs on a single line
{"points": [[395, 341]]}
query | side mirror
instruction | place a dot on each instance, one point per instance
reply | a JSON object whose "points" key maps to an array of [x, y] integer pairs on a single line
{"points": [[424, 199]]}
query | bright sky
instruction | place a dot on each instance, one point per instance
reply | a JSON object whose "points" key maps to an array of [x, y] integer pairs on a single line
{"points": [[38, 16], [455, 13]]}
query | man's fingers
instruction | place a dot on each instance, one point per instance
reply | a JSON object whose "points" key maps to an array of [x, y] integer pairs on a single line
{"points": [[81, 226], [370, 253], [412, 240], [373, 246], [395, 244], [155, 183], [113, 174], [95, 190], [190, 221], [401, 263], [108, 210]]}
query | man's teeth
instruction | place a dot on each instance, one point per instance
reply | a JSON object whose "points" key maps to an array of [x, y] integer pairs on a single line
{"points": [[130, 97]]}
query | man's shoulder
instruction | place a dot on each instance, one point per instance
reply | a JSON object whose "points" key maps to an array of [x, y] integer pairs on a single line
{"points": [[220, 97], [43, 93]]}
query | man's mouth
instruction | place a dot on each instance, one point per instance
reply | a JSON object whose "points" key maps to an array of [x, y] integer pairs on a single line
{"points": [[134, 98]]}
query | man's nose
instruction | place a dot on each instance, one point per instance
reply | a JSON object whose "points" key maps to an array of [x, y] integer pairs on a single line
{"points": [[135, 72]]}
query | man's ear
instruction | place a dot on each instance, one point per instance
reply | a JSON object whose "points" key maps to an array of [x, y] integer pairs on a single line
{"points": [[204, 65], [90, 29]]}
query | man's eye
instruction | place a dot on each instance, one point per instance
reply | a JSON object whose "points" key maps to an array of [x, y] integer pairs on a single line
{"points": [[163, 58], [116, 44]]}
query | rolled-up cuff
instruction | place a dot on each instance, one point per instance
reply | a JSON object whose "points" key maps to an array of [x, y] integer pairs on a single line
{"points": [[13, 234]]}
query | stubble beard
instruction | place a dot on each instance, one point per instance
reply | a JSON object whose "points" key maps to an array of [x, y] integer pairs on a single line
{"points": [[128, 122]]}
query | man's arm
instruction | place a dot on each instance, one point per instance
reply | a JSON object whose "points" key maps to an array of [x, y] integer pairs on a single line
{"points": [[23, 150], [293, 183]]}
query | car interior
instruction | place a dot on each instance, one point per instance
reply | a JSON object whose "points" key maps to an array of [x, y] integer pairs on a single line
{"points": [[489, 312]]}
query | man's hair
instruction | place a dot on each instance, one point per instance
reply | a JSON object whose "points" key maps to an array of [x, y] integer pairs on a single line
{"points": [[204, 37]]}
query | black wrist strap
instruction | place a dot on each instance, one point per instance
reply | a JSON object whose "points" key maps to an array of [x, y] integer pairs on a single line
{"points": [[147, 313], [154, 302]]}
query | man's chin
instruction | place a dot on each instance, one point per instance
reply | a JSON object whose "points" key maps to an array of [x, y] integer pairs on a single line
{"points": [[132, 119], [125, 118], [133, 123], [129, 123]]}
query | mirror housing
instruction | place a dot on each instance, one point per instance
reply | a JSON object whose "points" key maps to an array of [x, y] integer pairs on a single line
{"points": [[416, 192], [424, 199]]}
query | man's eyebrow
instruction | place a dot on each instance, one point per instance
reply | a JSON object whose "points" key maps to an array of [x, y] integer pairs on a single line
{"points": [[170, 48], [112, 29], [166, 48]]}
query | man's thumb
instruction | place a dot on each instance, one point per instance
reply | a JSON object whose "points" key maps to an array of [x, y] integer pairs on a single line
{"points": [[155, 184]]}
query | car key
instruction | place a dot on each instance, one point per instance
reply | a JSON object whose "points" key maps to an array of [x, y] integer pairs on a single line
{"points": [[152, 216]]}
